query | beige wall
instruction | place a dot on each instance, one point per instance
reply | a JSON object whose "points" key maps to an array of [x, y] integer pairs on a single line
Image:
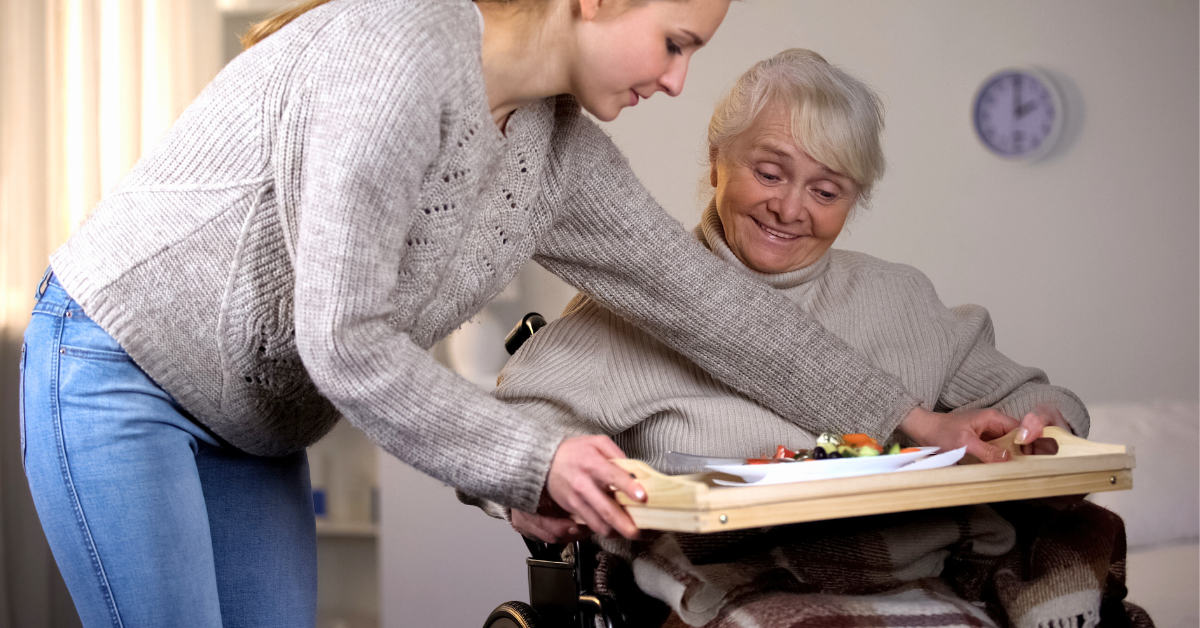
{"points": [[1088, 260]]}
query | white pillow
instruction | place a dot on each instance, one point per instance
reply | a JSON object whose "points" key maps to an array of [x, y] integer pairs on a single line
{"points": [[1164, 504]]}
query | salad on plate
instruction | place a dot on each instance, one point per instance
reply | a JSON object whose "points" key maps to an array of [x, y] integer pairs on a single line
{"points": [[833, 456]]}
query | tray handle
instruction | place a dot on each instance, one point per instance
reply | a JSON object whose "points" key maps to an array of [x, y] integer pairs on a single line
{"points": [[663, 491]]}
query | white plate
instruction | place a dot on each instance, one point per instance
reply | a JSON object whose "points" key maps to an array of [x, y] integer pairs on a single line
{"points": [[944, 459], [784, 472], [681, 459]]}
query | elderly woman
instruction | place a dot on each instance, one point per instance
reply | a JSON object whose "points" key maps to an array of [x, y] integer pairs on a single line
{"points": [[793, 150]]}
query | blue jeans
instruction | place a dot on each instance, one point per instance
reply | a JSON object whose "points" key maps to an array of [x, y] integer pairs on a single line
{"points": [[154, 521]]}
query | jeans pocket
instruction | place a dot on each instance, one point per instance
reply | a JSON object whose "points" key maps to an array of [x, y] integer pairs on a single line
{"points": [[104, 355], [84, 338], [21, 405]]}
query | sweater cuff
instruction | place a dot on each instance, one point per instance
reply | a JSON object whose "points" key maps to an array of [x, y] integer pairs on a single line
{"points": [[900, 406], [490, 508], [1029, 397]]}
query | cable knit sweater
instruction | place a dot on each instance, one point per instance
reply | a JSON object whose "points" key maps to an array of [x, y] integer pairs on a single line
{"points": [[339, 198], [592, 372]]}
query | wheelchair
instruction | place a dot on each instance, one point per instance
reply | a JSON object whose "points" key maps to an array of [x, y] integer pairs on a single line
{"points": [[561, 594]]}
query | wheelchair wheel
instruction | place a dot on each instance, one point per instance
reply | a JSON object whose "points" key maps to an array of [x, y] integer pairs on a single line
{"points": [[513, 615]]}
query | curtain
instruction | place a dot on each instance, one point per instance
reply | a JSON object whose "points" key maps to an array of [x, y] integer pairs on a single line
{"points": [[85, 87]]}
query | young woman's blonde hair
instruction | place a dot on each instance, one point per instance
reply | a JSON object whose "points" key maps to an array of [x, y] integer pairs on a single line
{"points": [[283, 17], [836, 118], [276, 21]]}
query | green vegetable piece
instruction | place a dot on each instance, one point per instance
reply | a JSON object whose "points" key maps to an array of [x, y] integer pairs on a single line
{"points": [[866, 452], [894, 449], [847, 451]]}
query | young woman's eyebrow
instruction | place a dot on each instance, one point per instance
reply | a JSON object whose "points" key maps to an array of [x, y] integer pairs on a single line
{"points": [[696, 41]]}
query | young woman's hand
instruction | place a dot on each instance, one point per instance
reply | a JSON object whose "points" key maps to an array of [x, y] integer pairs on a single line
{"points": [[582, 481], [548, 528], [969, 428]]}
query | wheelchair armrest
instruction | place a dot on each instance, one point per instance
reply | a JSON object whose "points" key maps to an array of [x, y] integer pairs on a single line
{"points": [[541, 550]]}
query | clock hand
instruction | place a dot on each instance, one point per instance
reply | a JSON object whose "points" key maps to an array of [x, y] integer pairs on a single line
{"points": [[1024, 109], [1017, 95]]}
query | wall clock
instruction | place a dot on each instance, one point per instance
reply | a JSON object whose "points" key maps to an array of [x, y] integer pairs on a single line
{"points": [[1018, 114]]}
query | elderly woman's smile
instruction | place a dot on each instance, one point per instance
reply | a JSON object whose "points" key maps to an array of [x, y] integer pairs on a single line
{"points": [[780, 208]]}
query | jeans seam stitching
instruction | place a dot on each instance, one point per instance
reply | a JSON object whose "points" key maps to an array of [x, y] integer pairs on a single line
{"points": [[21, 410], [76, 505]]}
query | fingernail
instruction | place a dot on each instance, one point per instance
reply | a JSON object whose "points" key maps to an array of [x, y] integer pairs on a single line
{"points": [[572, 530], [1022, 436], [640, 495], [1004, 455]]}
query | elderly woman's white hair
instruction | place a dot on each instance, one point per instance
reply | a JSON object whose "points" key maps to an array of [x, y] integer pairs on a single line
{"points": [[836, 118]]}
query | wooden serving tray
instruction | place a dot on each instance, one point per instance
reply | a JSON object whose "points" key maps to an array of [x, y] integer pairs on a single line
{"points": [[693, 503]]}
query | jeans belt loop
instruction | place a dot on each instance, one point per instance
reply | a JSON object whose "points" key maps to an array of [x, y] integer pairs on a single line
{"points": [[43, 284]]}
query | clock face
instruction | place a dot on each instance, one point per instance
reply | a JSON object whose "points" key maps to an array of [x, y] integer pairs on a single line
{"points": [[1018, 114]]}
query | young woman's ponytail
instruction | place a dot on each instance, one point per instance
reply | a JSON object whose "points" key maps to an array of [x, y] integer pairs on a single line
{"points": [[276, 21]]}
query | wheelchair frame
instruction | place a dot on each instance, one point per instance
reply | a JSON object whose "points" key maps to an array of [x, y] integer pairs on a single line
{"points": [[561, 594]]}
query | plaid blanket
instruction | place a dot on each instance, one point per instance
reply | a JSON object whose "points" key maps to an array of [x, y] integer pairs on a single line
{"points": [[1018, 564]]}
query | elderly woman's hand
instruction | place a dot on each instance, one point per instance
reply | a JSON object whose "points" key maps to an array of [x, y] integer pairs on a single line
{"points": [[582, 480], [961, 428], [1031, 430], [548, 528]]}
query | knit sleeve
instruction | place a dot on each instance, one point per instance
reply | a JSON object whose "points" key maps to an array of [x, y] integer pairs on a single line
{"points": [[374, 132], [612, 241], [987, 378]]}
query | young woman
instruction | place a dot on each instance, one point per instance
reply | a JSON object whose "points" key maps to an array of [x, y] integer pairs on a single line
{"points": [[345, 193]]}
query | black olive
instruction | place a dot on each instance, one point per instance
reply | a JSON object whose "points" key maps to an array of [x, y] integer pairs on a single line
{"points": [[834, 454], [819, 453]]}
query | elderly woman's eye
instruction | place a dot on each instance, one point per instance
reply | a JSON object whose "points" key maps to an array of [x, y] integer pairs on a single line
{"points": [[673, 48], [767, 176]]}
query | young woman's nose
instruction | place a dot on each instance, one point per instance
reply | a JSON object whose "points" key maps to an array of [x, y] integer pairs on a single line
{"points": [[671, 82]]}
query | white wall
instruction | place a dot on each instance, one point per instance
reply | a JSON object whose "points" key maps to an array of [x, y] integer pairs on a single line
{"points": [[1088, 260]]}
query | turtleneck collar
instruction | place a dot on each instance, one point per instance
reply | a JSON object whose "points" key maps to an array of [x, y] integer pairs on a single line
{"points": [[712, 234]]}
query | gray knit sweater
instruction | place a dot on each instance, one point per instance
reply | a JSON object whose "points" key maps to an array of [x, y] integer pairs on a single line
{"points": [[339, 198], [592, 372]]}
